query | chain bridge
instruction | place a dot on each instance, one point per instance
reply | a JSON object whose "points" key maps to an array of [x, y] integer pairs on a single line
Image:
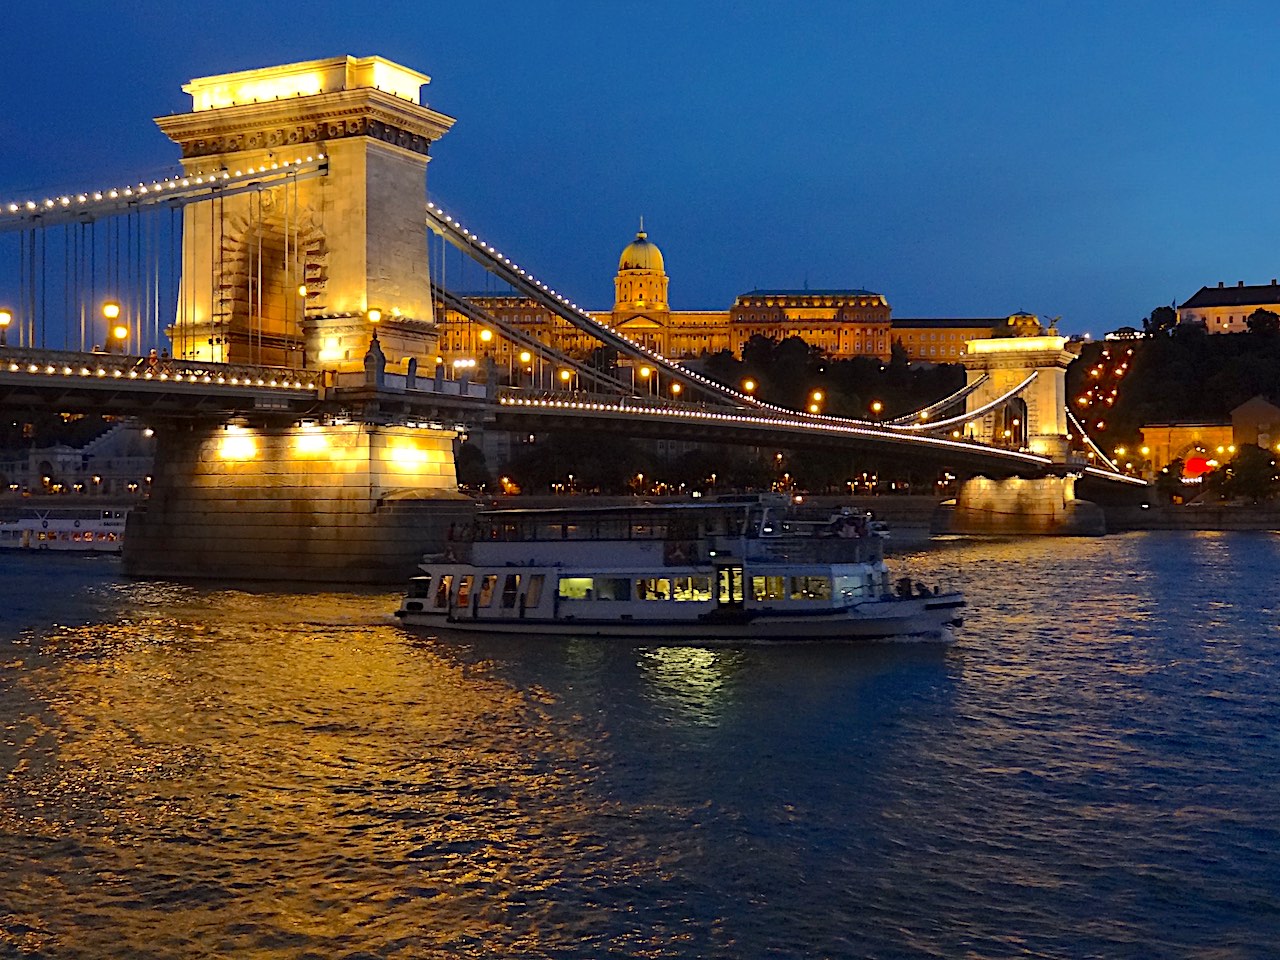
{"points": [[271, 310]]}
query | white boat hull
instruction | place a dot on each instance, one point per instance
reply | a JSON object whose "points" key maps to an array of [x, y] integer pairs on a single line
{"points": [[920, 618]]}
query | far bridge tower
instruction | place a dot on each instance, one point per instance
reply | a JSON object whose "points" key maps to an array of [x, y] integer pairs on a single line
{"points": [[1034, 420]]}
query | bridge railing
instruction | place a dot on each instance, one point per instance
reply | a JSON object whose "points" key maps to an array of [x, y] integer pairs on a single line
{"points": [[391, 381], [76, 363]]}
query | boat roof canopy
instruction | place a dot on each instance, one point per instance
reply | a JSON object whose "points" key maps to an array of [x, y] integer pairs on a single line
{"points": [[721, 505]]}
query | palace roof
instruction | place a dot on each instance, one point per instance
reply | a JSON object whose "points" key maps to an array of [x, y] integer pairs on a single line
{"points": [[1238, 296]]}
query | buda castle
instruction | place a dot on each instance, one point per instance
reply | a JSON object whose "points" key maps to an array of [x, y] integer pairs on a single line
{"points": [[841, 323]]}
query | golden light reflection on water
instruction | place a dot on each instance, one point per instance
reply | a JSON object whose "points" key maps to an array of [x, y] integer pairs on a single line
{"points": [[691, 681], [318, 777]]}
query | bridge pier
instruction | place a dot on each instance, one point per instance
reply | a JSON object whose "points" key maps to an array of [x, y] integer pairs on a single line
{"points": [[342, 503], [1020, 507]]}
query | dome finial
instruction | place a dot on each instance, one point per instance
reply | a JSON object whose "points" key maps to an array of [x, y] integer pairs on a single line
{"points": [[642, 233]]}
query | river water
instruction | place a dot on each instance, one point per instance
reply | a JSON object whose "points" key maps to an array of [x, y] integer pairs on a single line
{"points": [[218, 771]]}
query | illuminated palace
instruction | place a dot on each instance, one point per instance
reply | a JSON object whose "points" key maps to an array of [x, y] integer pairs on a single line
{"points": [[842, 323]]}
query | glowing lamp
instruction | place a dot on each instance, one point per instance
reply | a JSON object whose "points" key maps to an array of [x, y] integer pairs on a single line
{"points": [[486, 335], [111, 310], [525, 356], [374, 314]]}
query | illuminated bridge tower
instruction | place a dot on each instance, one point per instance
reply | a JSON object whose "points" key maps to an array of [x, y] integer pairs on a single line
{"points": [[293, 274], [303, 274], [1035, 420]]}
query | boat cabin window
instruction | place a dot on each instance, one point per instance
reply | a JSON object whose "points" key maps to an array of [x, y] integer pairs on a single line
{"points": [[577, 588], [442, 591], [420, 587], [613, 588], [729, 584], [810, 588], [487, 584], [767, 588], [595, 588], [691, 588], [510, 590], [464, 590], [653, 588], [533, 595]]}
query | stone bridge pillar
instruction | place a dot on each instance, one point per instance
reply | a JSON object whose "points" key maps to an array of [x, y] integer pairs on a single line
{"points": [[1035, 420], [302, 274]]}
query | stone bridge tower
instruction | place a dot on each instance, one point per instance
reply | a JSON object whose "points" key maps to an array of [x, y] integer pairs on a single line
{"points": [[292, 275], [298, 274], [1035, 420]]}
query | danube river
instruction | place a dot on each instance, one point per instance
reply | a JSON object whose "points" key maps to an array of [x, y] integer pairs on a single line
{"points": [[196, 771]]}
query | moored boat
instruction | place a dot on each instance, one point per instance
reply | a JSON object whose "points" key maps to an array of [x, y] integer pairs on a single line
{"points": [[744, 568], [72, 529]]}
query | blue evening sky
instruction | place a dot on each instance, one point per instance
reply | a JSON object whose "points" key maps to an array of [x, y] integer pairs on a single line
{"points": [[1088, 160]]}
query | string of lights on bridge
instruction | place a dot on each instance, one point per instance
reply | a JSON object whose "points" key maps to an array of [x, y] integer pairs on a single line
{"points": [[583, 319], [168, 188], [118, 373]]}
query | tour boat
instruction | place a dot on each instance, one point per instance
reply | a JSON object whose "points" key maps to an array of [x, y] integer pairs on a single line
{"points": [[79, 529], [743, 568]]}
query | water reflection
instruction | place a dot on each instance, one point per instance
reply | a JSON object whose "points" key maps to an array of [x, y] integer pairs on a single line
{"points": [[195, 772], [690, 682]]}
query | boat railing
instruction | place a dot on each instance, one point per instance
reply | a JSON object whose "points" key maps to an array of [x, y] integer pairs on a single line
{"points": [[813, 550]]}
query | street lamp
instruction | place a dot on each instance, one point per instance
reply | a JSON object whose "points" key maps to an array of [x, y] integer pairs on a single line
{"points": [[748, 386], [6, 318], [119, 334], [876, 407], [675, 389]]}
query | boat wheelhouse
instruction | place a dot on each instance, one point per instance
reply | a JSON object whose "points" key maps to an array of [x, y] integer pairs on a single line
{"points": [[745, 568]]}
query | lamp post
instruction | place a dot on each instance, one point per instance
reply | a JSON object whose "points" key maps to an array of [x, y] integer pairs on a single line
{"points": [[120, 338], [6, 318], [876, 407], [111, 313], [815, 401]]}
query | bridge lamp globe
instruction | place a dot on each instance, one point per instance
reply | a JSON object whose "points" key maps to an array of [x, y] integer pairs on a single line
{"points": [[816, 396], [876, 406], [110, 310], [374, 315], [486, 336], [645, 372], [525, 356], [748, 386], [676, 388], [6, 318], [566, 375]]}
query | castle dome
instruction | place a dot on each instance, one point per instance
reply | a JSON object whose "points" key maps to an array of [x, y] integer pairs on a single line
{"points": [[641, 254]]}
